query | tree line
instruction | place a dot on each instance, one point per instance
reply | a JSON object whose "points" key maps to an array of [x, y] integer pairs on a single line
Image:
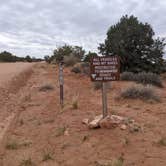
{"points": [[133, 41], [9, 57]]}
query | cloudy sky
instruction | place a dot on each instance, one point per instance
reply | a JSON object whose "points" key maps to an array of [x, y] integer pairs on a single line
{"points": [[36, 27]]}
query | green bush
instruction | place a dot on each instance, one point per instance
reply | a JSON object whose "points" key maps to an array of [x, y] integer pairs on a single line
{"points": [[140, 92]]}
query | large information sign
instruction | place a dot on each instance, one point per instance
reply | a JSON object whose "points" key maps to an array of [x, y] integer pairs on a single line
{"points": [[105, 69]]}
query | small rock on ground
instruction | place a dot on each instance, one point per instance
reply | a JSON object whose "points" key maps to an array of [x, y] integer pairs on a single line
{"points": [[123, 127], [95, 123], [85, 121]]}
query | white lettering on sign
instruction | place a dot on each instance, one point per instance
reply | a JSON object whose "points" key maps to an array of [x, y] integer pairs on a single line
{"points": [[105, 69]]}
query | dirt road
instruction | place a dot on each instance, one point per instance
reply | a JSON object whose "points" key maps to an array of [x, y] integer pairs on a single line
{"points": [[9, 70], [43, 134], [13, 77]]}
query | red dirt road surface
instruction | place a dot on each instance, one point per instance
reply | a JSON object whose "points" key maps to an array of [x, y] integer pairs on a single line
{"points": [[13, 77], [9, 70], [40, 133]]}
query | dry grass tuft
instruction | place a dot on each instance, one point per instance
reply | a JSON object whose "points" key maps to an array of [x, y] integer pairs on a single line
{"points": [[27, 162], [46, 87], [162, 141], [47, 156], [60, 131], [74, 103], [12, 146]]}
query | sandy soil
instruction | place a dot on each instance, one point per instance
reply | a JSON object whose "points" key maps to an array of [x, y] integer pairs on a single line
{"points": [[9, 70], [13, 76], [43, 134]]}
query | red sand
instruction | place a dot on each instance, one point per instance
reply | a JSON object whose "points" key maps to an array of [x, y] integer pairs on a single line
{"points": [[39, 124], [9, 70]]}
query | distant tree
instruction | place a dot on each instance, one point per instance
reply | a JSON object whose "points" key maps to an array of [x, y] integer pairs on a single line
{"points": [[134, 43], [78, 52], [28, 58], [60, 52], [7, 57], [67, 50], [88, 56], [47, 59]]}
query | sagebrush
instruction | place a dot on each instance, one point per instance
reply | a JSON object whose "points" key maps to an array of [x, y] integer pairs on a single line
{"points": [[140, 92], [127, 76], [82, 68], [70, 60], [76, 69], [149, 78], [143, 78]]}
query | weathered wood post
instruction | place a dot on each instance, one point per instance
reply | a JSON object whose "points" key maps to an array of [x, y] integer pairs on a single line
{"points": [[104, 99], [61, 83]]}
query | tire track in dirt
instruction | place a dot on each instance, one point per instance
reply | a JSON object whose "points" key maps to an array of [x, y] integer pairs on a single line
{"points": [[11, 97]]}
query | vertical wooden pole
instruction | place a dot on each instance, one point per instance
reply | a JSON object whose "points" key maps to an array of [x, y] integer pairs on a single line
{"points": [[61, 82], [104, 99]]}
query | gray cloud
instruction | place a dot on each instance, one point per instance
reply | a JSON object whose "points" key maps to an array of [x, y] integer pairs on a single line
{"points": [[36, 27]]}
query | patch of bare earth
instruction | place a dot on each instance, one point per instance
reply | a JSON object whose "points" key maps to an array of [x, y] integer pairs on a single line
{"points": [[43, 134]]}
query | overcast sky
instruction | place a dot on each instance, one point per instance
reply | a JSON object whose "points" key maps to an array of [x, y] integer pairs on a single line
{"points": [[36, 27]]}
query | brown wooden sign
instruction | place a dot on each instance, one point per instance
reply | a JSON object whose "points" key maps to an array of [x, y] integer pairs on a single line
{"points": [[105, 69]]}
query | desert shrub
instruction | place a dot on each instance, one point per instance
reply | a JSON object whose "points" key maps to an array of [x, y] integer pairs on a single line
{"points": [[76, 69], [46, 87], [70, 60], [162, 141], [27, 162], [86, 71], [85, 68], [74, 102], [143, 78], [140, 92], [12, 146], [53, 61], [97, 85], [127, 76], [149, 78], [60, 131], [47, 156], [81, 68]]}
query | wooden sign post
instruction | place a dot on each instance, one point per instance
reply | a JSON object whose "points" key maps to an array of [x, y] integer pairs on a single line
{"points": [[105, 69], [104, 99], [61, 82]]}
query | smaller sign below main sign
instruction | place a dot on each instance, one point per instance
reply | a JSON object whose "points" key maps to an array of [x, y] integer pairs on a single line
{"points": [[105, 68]]}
